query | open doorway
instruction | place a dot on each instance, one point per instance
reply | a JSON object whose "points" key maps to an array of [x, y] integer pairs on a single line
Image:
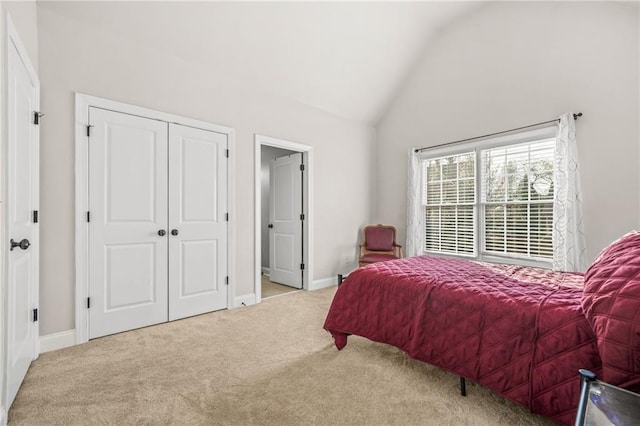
{"points": [[281, 229], [282, 217]]}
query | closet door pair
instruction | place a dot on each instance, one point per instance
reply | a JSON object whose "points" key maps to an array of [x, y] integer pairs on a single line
{"points": [[157, 225]]}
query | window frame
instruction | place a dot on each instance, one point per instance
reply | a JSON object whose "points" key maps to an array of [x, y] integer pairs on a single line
{"points": [[478, 147], [474, 206]]}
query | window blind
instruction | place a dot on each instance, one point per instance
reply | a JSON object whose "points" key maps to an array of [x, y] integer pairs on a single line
{"points": [[517, 199], [449, 200]]}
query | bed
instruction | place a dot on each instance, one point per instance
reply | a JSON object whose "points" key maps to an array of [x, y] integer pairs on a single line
{"points": [[522, 332]]}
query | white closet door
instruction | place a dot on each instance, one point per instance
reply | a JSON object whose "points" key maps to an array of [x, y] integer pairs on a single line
{"points": [[128, 233], [22, 234], [197, 209], [285, 208]]}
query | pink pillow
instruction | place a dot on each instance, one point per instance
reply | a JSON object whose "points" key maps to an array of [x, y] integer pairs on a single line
{"points": [[611, 303]]}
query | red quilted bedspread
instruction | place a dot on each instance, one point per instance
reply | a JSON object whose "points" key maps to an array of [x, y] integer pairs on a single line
{"points": [[519, 331]]}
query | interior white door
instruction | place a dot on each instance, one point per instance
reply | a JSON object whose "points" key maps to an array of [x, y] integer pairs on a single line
{"points": [[128, 228], [198, 221], [285, 220], [22, 200]]}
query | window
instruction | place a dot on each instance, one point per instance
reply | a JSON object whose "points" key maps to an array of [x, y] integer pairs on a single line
{"points": [[449, 197], [494, 199], [517, 200]]}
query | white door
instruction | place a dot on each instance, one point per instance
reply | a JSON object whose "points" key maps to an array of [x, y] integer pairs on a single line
{"points": [[285, 220], [198, 221], [128, 222], [22, 233]]}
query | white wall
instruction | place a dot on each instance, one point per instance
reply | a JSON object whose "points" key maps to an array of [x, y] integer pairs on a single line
{"points": [[267, 154], [513, 64], [77, 57]]}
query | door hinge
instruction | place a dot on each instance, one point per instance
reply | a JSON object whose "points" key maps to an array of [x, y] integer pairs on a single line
{"points": [[302, 266], [35, 216], [88, 217], [226, 217], [301, 216], [89, 126], [226, 280], [302, 167], [226, 153], [88, 303], [36, 117], [35, 315]]}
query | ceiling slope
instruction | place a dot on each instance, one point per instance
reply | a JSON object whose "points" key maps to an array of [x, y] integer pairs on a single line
{"points": [[344, 58]]}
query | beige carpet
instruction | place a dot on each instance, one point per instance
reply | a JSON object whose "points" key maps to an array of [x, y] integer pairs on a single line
{"points": [[267, 364], [270, 289]]}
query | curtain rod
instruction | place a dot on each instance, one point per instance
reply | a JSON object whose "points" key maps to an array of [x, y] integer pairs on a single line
{"points": [[575, 117]]}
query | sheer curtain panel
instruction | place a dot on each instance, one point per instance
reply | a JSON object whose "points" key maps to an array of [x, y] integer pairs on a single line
{"points": [[415, 228], [568, 230]]}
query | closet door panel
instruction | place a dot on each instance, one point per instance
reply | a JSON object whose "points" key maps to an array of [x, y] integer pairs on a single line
{"points": [[128, 181], [197, 218]]}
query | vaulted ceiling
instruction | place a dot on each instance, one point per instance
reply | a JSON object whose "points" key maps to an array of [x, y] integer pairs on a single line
{"points": [[345, 58]]}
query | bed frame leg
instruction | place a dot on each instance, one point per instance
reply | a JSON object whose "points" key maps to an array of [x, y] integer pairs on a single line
{"points": [[463, 387]]}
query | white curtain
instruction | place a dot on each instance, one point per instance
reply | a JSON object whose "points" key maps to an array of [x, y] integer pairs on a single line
{"points": [[415, 228], [568, 231]]}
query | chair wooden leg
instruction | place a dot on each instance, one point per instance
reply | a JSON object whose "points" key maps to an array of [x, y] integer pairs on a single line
{"points": [[463, 387]]}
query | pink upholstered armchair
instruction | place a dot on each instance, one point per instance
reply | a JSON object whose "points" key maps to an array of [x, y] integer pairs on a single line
{"points": [[379, 244]]}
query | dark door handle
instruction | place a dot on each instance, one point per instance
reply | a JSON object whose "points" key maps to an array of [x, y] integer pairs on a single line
{"points": [[162, 232], [174, 232], [24, 244], [271, 225]]}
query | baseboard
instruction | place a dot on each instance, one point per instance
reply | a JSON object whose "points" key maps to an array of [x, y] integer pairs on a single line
{"points": [[323, 283], [3, 416], [250, 299], [55, 341], [265, 271], [244, 300]]}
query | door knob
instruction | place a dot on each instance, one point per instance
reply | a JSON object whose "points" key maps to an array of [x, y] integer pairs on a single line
{"points": [[174, 232], [271, 225], [162, 232], [24, 244]]}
